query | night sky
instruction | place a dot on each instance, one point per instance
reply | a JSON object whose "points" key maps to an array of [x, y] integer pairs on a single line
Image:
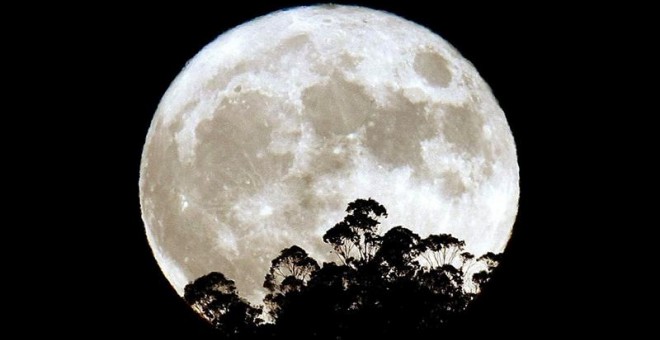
{"points": [[531, 58]]}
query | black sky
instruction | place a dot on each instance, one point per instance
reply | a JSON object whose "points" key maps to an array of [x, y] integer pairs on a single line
{"points": [[531, 58]]}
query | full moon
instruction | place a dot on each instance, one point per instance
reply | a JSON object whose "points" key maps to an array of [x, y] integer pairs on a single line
{"points": [[273, 128]]}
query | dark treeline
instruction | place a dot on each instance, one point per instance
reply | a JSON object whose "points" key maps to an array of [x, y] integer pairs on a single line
{"points": [[394, 284]]}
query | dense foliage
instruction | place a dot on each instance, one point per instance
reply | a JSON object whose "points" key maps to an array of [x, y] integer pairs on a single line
{"points": [[395, 283]]}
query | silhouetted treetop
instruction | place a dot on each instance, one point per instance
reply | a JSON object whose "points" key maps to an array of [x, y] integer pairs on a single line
{"points": [[288, 272], [357, 235], [398, 251], [293, 262], [215, 298]]}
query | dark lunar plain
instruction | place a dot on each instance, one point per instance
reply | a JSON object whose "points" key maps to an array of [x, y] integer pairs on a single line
{"points": [[534, 61]]}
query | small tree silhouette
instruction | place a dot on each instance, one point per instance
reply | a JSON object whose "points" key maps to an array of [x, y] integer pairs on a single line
{"points": [[289, 272], [396, 284], [491, 261], [215, 298]]}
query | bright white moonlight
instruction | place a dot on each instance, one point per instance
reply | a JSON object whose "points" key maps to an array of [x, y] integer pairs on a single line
{"points": [[275, 126]]}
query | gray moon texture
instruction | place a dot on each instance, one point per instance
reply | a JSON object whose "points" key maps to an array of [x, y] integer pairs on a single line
{"points": [[270, 130]]}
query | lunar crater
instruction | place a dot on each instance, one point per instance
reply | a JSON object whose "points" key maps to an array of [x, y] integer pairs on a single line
{"points": [[433, 68]]}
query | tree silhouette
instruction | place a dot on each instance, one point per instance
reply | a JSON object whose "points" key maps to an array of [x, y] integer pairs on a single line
{"points": [[398, 252], [288, 273], [439, 250], [395, 284], [491, 261], [357, 232], [215, 298]]}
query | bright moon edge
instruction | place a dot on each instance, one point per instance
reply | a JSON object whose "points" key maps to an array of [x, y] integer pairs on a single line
{"points": [[344, 102]]}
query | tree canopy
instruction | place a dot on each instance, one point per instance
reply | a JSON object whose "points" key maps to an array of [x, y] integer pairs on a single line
{"points": [[396, 283]]}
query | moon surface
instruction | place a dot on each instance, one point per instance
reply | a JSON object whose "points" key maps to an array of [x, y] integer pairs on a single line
{"points": [[271, 129]]}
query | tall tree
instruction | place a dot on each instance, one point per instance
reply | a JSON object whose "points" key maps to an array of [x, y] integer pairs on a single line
{"points": [[355, 239]]}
